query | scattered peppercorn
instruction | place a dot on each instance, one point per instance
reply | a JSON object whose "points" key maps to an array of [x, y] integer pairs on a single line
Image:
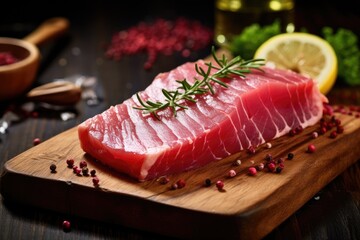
{"points": [[70, 162], [260, 167], [237, 162], [95, 181], [85, 171], [77, 171], [333, 134], [251, 150], [66, 226], [75, 168], [163, 180], [268, 145], [311, 148], [53, 168], [271, 167], [220, 185], [83, 164], [181, 183], [232, 173], [93, 173], [174, 186], [36, 141], [252, 171], [290, 156], [207, 182], [268, 157], [280, 160], [162, 36], [278, 170], [314, 135]]}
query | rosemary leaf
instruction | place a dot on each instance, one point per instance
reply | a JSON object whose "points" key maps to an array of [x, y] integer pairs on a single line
{"points": [[175, 99]]}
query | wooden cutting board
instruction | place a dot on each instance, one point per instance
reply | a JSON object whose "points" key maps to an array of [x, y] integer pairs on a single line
{"points": [[249, 207]]}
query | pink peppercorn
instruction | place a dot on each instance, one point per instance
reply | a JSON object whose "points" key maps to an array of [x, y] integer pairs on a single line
{"points": [[70, 162], [95, 181], [36, 141], [311, 148], [181, 183], [66, 226], [220, 185], [252, 171], [232, 173], [271, 167], [333, 134], [83, 164]]}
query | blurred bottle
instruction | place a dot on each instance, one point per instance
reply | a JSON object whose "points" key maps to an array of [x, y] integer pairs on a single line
{"points": [[232, 16]]}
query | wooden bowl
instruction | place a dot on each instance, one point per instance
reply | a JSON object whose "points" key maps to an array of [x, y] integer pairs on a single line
{"points": [[16, 78]]}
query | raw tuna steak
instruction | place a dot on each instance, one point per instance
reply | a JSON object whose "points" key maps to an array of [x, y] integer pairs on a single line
{"points": [[251, 111]]}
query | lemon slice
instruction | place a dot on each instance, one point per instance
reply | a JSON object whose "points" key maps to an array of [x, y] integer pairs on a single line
{"points": [[304, 53]]}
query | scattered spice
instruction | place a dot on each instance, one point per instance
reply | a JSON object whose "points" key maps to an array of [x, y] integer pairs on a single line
{"points": [[251, 150], [237, 162], [311, 148], [333, 134], [207, 182], [160, 37], [268, 145], [95, 181], [83, 164], [93, 173], [232, 173], [85, 171], [220, 185], [181, 183], [163, 180], [70, 162], [271, 167], [314, 135], [260, 167], [252, 171], [174, 186], [36, 141], [290, 156], [53, 168], [7, 58], [66, 225]]}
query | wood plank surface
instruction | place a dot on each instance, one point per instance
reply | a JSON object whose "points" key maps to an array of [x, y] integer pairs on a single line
{"points": [[249, 207]]}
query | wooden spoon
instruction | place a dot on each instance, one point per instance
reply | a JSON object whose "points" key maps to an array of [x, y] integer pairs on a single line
{"points": [[58, 93], [17, 77]]}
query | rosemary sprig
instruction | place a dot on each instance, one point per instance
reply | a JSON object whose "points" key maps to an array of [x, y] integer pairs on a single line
{"points": [[175, 99]]}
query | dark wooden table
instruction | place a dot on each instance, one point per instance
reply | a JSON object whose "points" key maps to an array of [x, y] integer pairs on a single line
{"points": [[333, 213]]}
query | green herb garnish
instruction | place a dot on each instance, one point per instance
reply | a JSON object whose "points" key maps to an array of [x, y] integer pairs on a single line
{"points": [[175, 99], [249, 40], [345, 44]]}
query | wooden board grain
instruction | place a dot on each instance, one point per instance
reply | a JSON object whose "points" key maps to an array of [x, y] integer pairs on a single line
{"points": [[249, 207]]}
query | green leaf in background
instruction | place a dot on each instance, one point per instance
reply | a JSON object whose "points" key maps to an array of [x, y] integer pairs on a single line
{"points": [[345, 44], [249, 40]]}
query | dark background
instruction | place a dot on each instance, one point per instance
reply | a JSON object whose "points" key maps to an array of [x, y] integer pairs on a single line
{"points": [[335, 216]]}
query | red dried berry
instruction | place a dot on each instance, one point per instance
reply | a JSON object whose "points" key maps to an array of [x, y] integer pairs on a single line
{"points": [[163, 180], [333, 134], [95, 181], [311, 148], [207, 182], [340, 129], [83, 164], [66, 225], [181, 183], [271, 167], [70, 162], [36, 141], [220, 185], [252, 171]]}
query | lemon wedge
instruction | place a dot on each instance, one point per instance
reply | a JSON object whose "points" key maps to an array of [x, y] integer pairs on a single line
{"points": [[304, 53]]}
